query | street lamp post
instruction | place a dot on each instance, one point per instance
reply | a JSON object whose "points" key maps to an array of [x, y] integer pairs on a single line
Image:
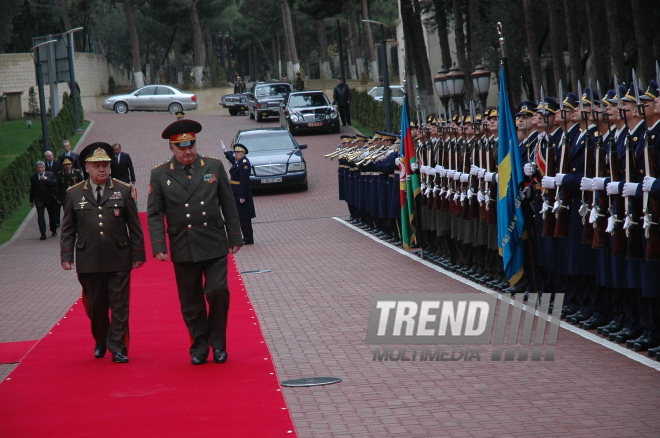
{"points": [[386, 76], [455, 81], [68, 38], [481, 83], [42, 96], [440, 82]]}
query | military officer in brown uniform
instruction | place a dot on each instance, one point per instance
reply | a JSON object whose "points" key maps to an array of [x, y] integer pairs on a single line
{"points": [[193, 194], [67, 177], [101, 222]]}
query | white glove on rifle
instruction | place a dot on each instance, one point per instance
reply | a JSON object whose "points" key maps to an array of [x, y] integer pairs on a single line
{"points": [[430, 170], [559, 178], [648, 182], [598, 183], [438, 168], [587, 184], [397, 161], [422, 169], [548, 182], [474, 170], [443, 173], [613, 188], [464, 177], [629, 189], [481, 173], [414, 166], [457, 176], [593, 217]]}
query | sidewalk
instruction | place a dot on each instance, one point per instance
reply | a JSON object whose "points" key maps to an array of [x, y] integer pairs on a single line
{"points": [[314, 308]]}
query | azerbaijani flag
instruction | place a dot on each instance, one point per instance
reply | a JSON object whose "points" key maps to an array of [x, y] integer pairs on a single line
{"points": [[510, 219], [408, 183]]}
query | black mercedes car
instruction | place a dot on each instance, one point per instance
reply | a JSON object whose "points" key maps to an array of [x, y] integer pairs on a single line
{"points": [[264, 99], [235, 103], [308, 111], [276, 158]]}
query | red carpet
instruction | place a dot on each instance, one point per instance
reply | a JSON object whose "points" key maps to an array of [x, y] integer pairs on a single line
{"points": [[60, 389], [12, 352]]}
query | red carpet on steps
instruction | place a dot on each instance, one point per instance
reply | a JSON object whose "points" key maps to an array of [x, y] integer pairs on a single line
{"points": [[60, 389]]}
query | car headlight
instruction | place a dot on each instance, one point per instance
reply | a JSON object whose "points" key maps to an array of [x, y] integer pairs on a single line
{"points": [[296, 167], [296, 117], [334, 115]]}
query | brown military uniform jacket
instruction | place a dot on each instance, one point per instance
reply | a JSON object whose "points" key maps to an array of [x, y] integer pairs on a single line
{"points": [[107, 237], [202, 220]]}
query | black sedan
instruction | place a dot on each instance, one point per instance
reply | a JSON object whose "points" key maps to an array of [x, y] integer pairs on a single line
{"points": [[308, 111], [276, 158]]}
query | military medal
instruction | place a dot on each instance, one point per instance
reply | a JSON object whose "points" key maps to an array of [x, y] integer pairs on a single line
{"points": [[117, 212], [168, 182], [82, 203]]}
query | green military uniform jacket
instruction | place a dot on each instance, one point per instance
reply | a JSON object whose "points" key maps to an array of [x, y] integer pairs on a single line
{"points": [[202, 220], [107, 237]]}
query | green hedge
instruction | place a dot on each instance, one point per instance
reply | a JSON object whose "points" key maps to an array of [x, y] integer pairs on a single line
{"points": [[371, 113], [15, 178]]}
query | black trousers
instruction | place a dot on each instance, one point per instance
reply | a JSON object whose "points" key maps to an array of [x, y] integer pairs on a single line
{"points": [[105, 292], [53, 215], [344, 114], [200, 283], [246, 229]]}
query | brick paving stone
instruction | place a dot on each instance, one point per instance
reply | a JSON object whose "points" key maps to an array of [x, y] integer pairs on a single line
{"points": [[314, 305]]}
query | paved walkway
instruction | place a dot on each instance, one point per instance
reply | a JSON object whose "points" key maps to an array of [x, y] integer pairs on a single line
{"points": [[314, 307]]}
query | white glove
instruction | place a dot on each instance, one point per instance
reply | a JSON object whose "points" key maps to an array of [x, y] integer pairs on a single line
{"points": [[497, 177], [629, 189], [464, 177], [488, 176], [397, 161], [456, 196], [593, 217], [438, 168], [224, 148], [548, 182], [457, 175], [443, 173], [555, 207], [648, 182], [525, 193], [470, 193], [559, 178], [480, 196], [587, 184], [442, 191], [528, 169], [426, 192], [422, 169], [481, 173], [414, 166], [627, 223], [613, 188], [423, 186], [430, 170], [610, 224], [545, 207], [474, 170], [462, 197], [598, 183]]}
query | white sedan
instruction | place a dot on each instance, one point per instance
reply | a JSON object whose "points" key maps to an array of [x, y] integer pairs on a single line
{"points": [[152, 98]]}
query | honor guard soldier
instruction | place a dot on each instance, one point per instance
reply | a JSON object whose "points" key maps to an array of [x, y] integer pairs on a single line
{"points": [[240, 186], [192, 193], [101, 222]]}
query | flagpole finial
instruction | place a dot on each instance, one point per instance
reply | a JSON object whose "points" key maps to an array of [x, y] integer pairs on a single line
{"points": [[500, 32]]}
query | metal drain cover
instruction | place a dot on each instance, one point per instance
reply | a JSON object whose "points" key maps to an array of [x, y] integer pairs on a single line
{"points": [[311, 381], [260, 271]]}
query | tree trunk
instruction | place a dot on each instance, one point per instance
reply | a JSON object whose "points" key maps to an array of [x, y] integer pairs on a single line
{"points": [[178, 62], [292, 59], [369, 40], [475, 48], [64, 14], [556, 48], [460, 45], [276, 54], [573, 32], [199, 55], [616, 43], [645, 58], [532, 49], [600, 70], [354, 41], [324, 60], [135, 44], [441, 11], [416, 52]]}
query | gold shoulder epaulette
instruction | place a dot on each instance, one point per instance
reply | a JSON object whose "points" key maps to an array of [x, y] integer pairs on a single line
{"points": [[75, 185], [212, 158], [121, 182], [161, 164]]}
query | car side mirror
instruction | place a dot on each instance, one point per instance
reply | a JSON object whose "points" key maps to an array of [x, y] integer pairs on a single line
{"points": [[302, 146]]}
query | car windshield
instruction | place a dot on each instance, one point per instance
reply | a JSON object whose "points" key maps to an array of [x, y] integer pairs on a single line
{"points": [[266, 141], [272, 90], [378, 92], [302, 100]]}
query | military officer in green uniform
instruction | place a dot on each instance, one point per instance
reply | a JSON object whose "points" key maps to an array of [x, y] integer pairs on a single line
{"points": [[67, 177], [193, 194], [101, 222]]}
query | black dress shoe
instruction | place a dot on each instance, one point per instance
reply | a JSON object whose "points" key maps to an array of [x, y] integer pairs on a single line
{"points": [[512, 290], [198, 359], [646, 344], [248, 242], [219, 356], [567, 310], [54, 234], [43, 237], [592, 323], [577, 318], [613, 326], [99, 352], [397, 243], [654, 351], [386, 236], [119, 357], [630, 342], [622, 336]]}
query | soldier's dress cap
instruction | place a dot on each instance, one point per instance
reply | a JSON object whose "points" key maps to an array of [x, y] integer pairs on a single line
{"points": [[549, 105], [67, 160], [182, 132], [652, 91], [180, 114], [587, 96], [493, 112], [388, 136], [95, 152], [571, 100], [610, 98], [361, 137], [526, 108], [630, 94], [345, 137], [238, 147]]}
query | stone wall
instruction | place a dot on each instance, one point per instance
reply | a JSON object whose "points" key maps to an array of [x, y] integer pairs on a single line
{"points": [[92, 73]]}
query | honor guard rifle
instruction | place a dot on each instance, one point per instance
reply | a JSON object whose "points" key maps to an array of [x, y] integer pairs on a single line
{"points": [[589, 172], [601, 202], [619, 239], [634, 207], [563, 195], [548, 195], [651, 204]]}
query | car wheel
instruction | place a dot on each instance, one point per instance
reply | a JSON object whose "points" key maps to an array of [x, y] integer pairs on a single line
{"points": [[257, 117], [121, 108], [250, 114], [304, 187], [233, 111], [175, 108]]}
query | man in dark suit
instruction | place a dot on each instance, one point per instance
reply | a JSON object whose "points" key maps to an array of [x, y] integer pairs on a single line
{"points": [[43, 188], [52, 165], [101, 222], [193, 194], [66, 145], [342, 98], [122, 165]]}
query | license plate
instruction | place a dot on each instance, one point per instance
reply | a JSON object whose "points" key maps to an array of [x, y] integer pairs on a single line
{"points": [[271, 180], [315, 124]]}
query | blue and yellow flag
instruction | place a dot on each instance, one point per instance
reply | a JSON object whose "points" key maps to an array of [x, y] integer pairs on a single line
{"points": [[510, 219], [409, 184]]}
